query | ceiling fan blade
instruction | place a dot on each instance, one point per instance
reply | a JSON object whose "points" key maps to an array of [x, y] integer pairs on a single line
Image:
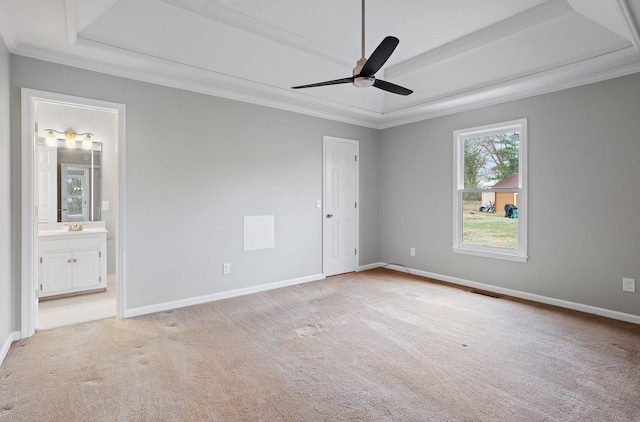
{"points": [[380, 56], [333, 82], [393, 88]]}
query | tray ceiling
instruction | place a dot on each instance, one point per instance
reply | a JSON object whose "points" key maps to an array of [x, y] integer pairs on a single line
{"points": [[454, 54]]}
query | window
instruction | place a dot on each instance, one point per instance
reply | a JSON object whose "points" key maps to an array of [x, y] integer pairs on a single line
{"points": [[490, 191]]}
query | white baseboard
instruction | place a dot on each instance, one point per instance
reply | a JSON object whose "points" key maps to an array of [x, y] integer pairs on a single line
{"points": [[370, 266], [13, 336], [523, 295], [143, 310]]}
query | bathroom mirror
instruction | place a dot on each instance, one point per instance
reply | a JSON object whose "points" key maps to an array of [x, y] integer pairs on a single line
{"points": [[69, 183]]}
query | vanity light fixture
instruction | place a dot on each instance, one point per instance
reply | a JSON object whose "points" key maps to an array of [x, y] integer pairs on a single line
{"points": [[69, 138], [51, 140], [87, 142]]}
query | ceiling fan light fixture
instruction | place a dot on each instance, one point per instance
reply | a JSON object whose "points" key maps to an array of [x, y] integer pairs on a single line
{"points": [[363, 81]]}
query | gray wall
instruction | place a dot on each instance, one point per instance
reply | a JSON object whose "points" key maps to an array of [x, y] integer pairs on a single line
{"points": [[196, 165], [584, 230], [6, 286]]}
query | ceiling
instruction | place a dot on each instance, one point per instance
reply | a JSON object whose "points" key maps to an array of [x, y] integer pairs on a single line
{"points": [[455, 54]]}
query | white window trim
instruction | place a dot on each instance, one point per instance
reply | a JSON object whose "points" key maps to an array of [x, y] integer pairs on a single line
{"points": [[519, 254]]}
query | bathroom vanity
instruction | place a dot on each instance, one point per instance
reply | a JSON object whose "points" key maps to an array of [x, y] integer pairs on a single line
{"points": [[72, 262]]}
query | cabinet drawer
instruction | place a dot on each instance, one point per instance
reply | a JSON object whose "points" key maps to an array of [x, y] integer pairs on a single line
{"points": [[66, 244]]}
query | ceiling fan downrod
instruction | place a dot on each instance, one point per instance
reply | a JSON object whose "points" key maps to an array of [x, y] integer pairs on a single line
{"points": [[362, 81]]}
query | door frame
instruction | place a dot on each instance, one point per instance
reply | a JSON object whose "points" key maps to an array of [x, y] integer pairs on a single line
{"points": [[29, 225], [325, 140]]}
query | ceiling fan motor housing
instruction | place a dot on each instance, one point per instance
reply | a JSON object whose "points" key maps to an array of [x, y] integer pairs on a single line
{"points": [[362, 81]]}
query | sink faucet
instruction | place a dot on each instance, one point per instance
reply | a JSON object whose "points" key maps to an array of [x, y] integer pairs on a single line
{"points": [[75, 227]]}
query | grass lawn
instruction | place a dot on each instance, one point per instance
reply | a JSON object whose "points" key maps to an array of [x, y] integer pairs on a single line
{"points": [[489, 229]]}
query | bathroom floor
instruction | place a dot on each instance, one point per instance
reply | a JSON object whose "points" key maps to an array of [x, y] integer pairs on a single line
{"points": [[77, 309]]}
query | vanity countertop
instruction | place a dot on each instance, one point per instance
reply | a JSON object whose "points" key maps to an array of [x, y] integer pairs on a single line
{"points": [[62, 229], [65, 232]]}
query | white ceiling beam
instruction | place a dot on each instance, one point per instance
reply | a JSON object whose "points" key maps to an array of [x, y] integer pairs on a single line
{"points": [[71, 11], [615, 15], [632, 24], [536, 16], [219, 13]]}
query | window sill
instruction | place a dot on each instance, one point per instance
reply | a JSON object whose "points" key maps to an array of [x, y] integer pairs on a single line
{"points": [[490, 254]]}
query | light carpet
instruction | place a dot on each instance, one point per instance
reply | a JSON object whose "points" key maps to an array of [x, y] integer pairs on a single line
{"points": [[373, 346]]}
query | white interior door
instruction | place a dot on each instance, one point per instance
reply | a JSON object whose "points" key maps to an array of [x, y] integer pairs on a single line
{"points": [[47, 185], [340, 228]]}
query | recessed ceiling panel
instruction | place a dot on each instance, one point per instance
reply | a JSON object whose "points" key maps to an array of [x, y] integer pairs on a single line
{"points": [[568, 39], [179, 36], [420, 25]]}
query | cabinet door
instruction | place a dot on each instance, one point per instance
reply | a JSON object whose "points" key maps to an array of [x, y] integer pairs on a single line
{"points": [[56, 272], [86, 269]]}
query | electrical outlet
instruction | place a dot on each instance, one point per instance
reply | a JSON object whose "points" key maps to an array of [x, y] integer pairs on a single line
{"points": [[413, 251], [629, 285], [226, 268]]}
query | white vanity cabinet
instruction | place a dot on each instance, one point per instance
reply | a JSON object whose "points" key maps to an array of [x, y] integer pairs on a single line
{"points": [[71, 262]]}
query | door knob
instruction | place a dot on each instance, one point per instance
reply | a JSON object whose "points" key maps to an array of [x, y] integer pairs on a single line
{"points": [[329, 215]]}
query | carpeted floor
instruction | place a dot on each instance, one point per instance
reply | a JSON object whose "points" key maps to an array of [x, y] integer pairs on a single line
{"points": [[373, 346]]}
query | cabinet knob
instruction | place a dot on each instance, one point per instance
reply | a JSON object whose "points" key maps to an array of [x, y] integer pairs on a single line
{"points": [[68, 261], [75, 260]]}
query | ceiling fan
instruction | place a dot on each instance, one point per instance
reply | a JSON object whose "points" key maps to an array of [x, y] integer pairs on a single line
{"points": [[363, 73]]}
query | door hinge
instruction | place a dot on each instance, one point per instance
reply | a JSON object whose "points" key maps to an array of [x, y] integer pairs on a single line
{"points": [[356, 205], [356, 158], [41, 287], [41, 260], [355, 251], [100, 279], [100, 254]]}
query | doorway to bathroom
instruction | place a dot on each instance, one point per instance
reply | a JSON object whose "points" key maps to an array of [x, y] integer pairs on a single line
{"points": [[73, 194]]}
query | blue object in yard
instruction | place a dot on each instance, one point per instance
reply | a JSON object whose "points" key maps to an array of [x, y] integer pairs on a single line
{"points": [[514, 213], [509, 209]]}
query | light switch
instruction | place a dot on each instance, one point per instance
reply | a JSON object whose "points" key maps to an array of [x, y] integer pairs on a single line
{"points": [[105, 205]]}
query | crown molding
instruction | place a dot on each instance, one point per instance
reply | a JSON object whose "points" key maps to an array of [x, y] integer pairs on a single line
{"points": [[206, 82], [137, 66], [523, 21], [219, 13], [211, 83]]}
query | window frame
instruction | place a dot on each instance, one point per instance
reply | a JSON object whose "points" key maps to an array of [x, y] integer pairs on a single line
{"points": [[459, 136]]}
